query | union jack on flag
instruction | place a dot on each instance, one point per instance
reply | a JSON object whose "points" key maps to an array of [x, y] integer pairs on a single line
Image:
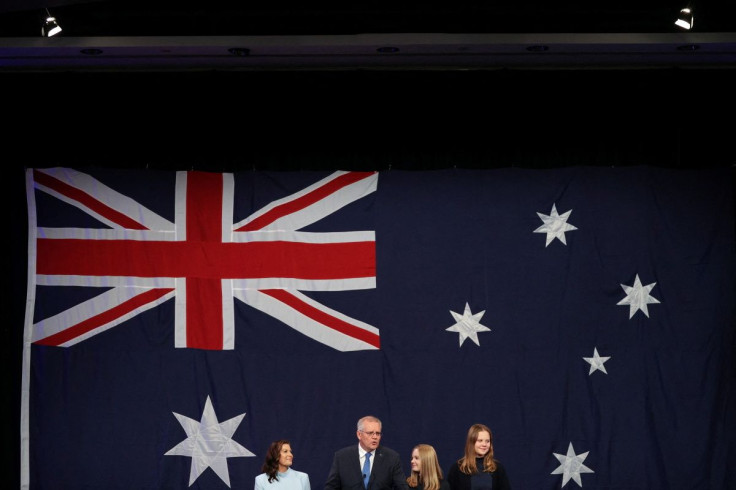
{"points": [[204, 259]]}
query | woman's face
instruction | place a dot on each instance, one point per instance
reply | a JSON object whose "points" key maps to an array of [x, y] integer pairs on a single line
{"points": [[285, 457], [416, 465], [482, 444]]}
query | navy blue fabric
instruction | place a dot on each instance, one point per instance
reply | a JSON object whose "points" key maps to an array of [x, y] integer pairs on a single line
{"points": [[663, 416]]}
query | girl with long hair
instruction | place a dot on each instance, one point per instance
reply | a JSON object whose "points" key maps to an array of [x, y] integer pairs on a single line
{"points": [[425, 470], [478, 469]]}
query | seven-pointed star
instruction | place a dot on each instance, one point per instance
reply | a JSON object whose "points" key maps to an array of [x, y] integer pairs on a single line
{"points": [[571, 465], [468, 325], [555, 225], [637, 297], [596, 362], [209, 443]]}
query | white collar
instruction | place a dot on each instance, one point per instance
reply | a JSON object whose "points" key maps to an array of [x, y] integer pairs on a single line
{"points": [[362, 452]]}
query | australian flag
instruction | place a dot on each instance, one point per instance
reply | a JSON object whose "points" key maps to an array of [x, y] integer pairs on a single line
{"points": [[178, 322]]}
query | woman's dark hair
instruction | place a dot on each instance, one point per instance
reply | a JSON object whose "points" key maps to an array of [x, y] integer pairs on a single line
{"points": [[271, 464]]}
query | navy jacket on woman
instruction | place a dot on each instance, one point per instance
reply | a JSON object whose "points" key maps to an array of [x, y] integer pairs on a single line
{"points": [[461, 481]]}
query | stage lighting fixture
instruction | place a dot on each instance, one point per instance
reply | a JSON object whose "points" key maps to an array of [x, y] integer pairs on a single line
{"points": [[685, 20], [50, 27]]}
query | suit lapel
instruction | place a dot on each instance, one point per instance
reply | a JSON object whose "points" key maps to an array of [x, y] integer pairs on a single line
{"points": [[377, 459]]}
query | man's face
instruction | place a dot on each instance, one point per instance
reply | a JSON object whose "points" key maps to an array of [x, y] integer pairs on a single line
{"points": [[370, 436]]}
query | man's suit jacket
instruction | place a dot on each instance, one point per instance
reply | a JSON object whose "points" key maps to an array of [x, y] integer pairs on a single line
{"points": [[346, 473]]}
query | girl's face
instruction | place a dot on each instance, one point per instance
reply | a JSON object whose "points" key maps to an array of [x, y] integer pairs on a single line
{"points": [[482, 444], [416, 465]]}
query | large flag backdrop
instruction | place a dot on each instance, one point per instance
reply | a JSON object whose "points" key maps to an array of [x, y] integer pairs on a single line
{"points": [[178, 322]]}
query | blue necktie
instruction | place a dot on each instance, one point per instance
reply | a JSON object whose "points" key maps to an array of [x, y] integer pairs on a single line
{"points": [[367, 469]]}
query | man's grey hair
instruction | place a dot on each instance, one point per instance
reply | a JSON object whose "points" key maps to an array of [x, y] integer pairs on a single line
{"points": [[367, 418]]}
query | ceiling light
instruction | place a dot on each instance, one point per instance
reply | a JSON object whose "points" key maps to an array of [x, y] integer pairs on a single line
{"points": [[50, 27], [685, 19]]}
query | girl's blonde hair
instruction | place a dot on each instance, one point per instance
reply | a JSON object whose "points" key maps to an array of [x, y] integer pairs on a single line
{"points": [[430, 474]]}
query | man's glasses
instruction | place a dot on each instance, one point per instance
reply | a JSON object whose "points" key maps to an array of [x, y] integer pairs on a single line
{"points": [[372, 433]]}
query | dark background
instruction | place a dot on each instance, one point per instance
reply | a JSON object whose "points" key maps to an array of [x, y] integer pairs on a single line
{"points": [[293, 17], [351, 119], [291, 120]]}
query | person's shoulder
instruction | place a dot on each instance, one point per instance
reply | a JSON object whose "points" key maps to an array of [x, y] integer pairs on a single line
{"points": [[263, 477], [499, 465], [386, 449], [347, 450]]}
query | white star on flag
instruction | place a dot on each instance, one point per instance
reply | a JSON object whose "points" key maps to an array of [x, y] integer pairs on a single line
{"points": [[468, 325], [596, 362], [555, 225], [637, 297], [571, 465], [209, 443]]}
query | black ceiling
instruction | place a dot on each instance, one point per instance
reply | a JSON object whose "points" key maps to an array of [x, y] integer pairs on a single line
{"points": [[21, 18]]}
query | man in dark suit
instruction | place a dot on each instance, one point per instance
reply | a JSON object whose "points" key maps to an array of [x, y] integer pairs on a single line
{"points": [[367, 465]]}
